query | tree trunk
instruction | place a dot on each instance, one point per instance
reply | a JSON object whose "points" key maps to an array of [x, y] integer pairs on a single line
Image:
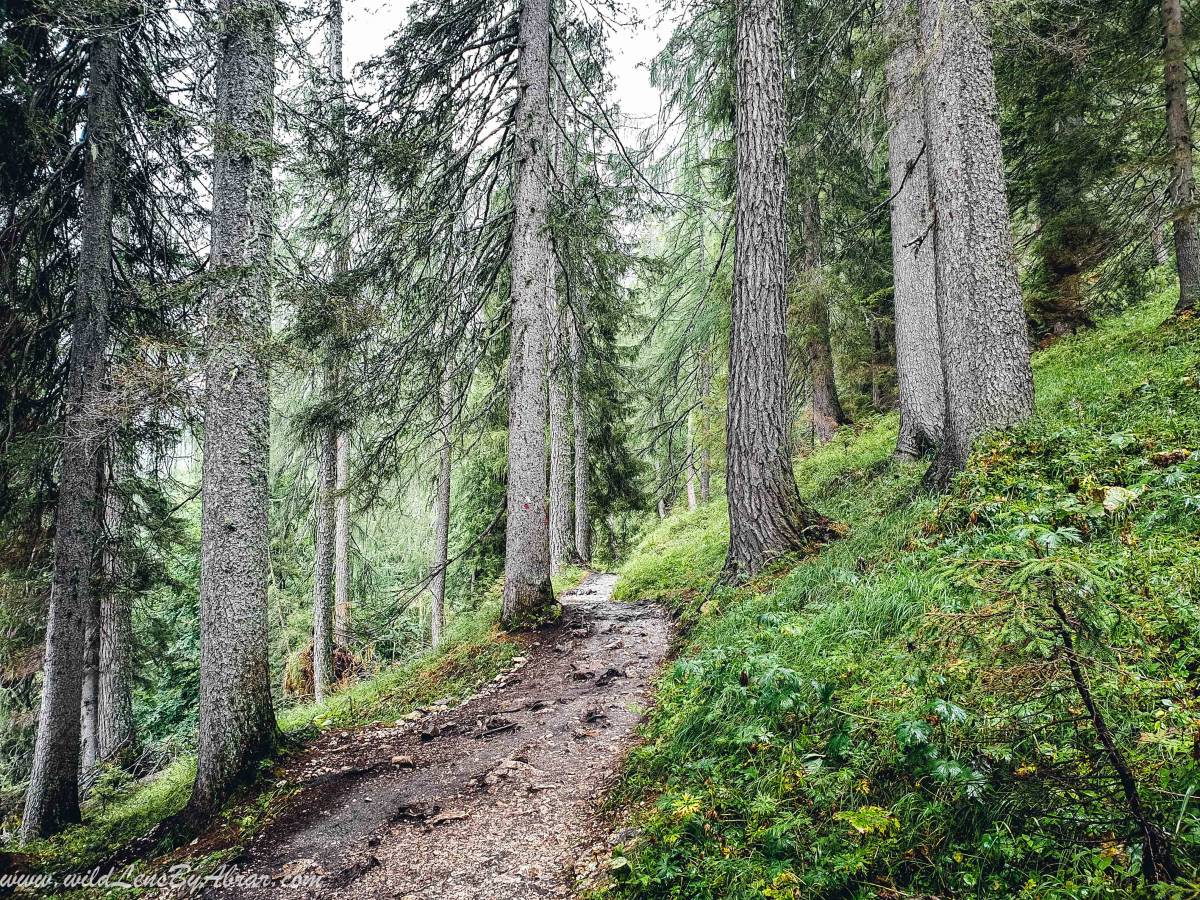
{"points": [[52, 799], [116, 734], [326, 514], [1179, 134], [705, 391], [341, 257], [660, 489], [237, 722], [89, 739], [981, 320], [562, 534], [1158, 244], [691, 461], [558, 375], [766, 515], [528, 595], [441, 522], [341, 545], [826, 408], [583, 524], [918, 346]]}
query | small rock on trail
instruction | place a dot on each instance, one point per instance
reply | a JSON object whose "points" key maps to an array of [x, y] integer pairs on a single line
{"points": [[492, 799]]}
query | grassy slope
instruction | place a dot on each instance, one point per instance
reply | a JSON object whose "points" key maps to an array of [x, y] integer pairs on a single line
{"points": [[474, 652], [894, 717]]}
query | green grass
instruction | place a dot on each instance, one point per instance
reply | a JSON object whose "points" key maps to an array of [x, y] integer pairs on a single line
{"points": [[474, 652], [894, 716]]}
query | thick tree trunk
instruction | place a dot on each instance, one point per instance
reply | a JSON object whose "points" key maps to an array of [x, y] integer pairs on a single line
{"points": [[326, 514], [705, 392], [766, 515], [116, 734], [981, 320], [237, 722], [341, 545], [827, 413], [918, 346], [1179, 134], [583, 524], [441, 522], [52, 799], [528, 595]]}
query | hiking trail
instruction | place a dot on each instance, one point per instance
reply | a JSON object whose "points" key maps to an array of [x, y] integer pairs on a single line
{"points": [[493, 798]]}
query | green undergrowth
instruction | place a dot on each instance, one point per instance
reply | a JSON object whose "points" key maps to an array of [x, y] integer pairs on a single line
{"points": [[898, 716], [474, 652]]}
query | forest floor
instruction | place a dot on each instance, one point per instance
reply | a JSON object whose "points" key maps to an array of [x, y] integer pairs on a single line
{"points": [[496, 797]]}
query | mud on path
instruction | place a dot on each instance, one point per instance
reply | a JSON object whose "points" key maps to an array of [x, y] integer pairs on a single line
{"points": [[492, 799]]}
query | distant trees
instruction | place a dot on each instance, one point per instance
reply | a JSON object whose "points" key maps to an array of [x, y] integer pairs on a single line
{"points": [[331, 439], [583, 522], [559, 368], [767, 517], [826, 407], [116, 731], [237, 721], [441, 514]]}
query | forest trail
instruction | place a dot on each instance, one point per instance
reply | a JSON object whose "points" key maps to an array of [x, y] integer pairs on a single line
{"points": [[495, 798]]}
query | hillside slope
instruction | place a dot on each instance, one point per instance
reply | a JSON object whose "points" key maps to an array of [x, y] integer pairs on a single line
{"points": [[907, 714]]}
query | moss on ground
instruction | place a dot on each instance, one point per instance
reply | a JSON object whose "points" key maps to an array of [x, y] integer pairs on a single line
{"points": [[895, 717]]}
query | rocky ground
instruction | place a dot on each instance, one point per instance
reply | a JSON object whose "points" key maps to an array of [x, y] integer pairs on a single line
{"points": [[495, 798]]}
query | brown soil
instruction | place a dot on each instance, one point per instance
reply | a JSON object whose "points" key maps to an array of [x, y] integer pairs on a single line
{"points": [[495, 798]]}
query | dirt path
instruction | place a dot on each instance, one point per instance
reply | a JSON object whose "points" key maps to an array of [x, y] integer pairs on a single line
{"points": [[492, 799]]}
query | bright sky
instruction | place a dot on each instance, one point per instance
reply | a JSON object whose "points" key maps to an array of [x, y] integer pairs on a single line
{"points": [[369, 23]]}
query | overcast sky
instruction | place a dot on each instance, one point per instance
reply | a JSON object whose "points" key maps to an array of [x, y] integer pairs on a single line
{"points": [[369, 22]]}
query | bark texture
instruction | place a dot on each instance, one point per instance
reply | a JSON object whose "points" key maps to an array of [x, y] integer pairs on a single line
{"points": [[89, 726], [441, 523], [237, 722], [341, 545], [558, 378], [326, 513], [562, 532], [341, 258], [766, 515], [827, 413], [981, 320], [1183, 183], [918, 346], [52, 799], [528, 595], [116, 734], [583, 523]]}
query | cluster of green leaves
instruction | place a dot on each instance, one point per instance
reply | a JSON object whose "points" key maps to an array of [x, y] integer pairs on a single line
{"points": [[896, 714]]}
